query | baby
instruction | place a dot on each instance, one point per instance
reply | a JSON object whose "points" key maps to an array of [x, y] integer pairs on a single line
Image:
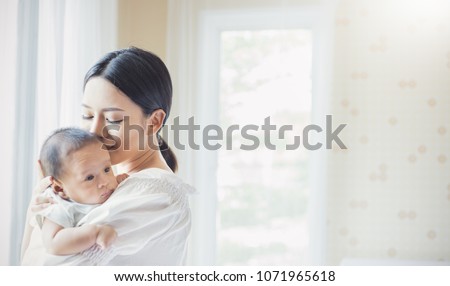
{"points": [[82, 179]]}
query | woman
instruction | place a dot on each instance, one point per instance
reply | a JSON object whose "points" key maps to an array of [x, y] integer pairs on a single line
{"points": [[127, 100]]}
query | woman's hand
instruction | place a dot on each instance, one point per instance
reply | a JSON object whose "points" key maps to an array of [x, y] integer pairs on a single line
{"points": [[38, 200], [106, 236]]}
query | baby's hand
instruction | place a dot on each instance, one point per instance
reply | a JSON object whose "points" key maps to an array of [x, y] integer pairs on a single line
{"points": [[120, 178], [106, 236]]}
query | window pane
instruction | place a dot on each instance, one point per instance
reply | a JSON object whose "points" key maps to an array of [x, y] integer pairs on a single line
{"points": [[263, 194]]}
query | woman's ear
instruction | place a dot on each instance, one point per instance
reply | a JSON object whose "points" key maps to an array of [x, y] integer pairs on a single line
{"points": [[155, 121]]}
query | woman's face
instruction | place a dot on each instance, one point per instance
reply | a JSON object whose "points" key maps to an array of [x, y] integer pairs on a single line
{"points": [[116, 119]]}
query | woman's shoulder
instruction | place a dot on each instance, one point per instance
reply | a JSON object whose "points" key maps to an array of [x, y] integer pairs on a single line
{"points": [[153, 173], [157, 180], [158, 175]]}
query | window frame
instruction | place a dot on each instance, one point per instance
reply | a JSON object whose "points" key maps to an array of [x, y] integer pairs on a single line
{"points": [[203, 52]]}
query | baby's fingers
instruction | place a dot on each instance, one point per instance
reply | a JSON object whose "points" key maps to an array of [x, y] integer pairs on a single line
{"points": [[101, 243], [108, 242], [104, 242]]}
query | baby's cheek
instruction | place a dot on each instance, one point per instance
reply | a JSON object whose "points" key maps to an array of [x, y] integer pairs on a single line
{"points": [[115, 184]]}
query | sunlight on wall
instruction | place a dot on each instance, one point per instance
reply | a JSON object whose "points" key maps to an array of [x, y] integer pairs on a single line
{"points": [[389, 193], [143, 24]]}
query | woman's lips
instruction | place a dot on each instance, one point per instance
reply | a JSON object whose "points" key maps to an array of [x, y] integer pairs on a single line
{"points": [[111, 148], [109, 144]]}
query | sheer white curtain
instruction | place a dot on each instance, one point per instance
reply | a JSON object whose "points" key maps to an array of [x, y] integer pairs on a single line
{"points": [[8, 33], [72, 36], [57, 42]]}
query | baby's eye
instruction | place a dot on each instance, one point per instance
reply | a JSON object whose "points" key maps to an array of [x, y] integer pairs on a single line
{"points": [[90, 178], [107, 169]]}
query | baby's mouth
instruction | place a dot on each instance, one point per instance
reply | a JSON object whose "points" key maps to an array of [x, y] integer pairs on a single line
{"points": [[106, 194]]}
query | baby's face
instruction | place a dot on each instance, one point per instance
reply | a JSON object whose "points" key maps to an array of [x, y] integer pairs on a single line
{"points": [[88, 177]]}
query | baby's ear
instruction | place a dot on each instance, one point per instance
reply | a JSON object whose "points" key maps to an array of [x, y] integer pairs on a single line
{"points": [[58, 189], [56, 186]]}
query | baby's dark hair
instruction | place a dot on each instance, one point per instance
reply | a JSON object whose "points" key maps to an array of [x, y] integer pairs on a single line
{"points": [[60, 144]]}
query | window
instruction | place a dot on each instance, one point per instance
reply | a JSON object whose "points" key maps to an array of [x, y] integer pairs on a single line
{"points": [[263, 194], [240, 65]]}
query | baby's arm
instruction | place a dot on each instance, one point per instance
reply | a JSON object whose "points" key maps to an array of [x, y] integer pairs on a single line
{"points": [[73, 240]]}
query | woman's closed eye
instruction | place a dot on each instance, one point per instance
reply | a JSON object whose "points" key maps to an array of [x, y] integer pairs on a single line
{"points": [[87, 117], [114, 121]]}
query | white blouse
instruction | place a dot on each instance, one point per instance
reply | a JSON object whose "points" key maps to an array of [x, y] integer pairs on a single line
{"points": [[150, 212], [65, 213]]}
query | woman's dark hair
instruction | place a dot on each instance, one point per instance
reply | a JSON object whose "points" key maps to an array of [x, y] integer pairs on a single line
{"points": [[144, 78], [60, 144]]}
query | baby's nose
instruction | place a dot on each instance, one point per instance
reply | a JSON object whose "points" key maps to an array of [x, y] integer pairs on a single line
{"points": [[103, 184]]}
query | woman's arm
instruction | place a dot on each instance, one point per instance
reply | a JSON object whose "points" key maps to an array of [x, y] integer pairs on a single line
{"points": [[73, 240], [26, 236], [37, 203]]}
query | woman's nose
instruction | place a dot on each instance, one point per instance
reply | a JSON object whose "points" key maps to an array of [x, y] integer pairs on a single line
{"points": [[97, 127]]}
